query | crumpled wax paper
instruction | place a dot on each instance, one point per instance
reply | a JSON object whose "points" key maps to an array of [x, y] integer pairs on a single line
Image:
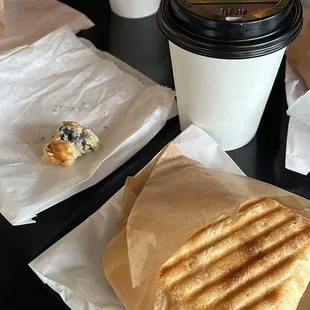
{"points": [[26, 21], [59, 78], [298, 99], [73, 266]]}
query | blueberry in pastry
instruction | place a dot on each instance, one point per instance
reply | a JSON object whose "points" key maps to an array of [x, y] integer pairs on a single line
{"points": [[70, 142]]}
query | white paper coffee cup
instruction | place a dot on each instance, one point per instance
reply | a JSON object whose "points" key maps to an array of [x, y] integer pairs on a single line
{"points": [[225, 58], [224, 97], [134, 8]]}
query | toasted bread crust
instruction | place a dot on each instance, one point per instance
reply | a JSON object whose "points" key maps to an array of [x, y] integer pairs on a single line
{"points": [[261, 260]]}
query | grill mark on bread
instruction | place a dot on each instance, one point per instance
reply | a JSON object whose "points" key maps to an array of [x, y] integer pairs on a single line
{"points": [[224, 274], [235, 281], [170, 264], [284, 264], [248, 207], [216, 257], [218, 283], [218, 278], [270, 296]]}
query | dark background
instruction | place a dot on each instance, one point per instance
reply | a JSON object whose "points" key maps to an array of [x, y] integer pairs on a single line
{"points": [[140, 44]]}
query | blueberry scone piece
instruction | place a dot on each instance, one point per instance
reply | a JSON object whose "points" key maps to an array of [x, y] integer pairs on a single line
{"points": [[70, 142]]}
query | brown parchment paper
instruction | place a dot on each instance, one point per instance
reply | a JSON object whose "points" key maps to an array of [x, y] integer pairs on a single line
{"points": [[298, 55], [163, 207], [2, 27]]}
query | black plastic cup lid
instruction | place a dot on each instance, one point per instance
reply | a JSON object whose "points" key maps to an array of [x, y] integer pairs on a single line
{"points": [[230, 29]]}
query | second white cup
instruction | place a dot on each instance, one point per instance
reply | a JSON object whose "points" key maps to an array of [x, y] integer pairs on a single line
{"points": [[134, 8]]}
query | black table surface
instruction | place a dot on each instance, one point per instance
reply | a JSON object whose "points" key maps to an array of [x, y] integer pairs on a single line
{"points": [[140, 44]]}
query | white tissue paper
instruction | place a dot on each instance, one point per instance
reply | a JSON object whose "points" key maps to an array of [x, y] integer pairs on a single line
{"points": [[298, 99], [29, 20], [57, 79], [73, 265]]}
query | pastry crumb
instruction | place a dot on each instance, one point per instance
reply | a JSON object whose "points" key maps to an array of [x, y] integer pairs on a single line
{"points": [[70, 142]]}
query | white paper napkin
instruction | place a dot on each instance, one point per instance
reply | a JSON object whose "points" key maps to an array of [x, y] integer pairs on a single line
{"points": [[73, 266], [298, 99], [29, 20], [55, 79]]}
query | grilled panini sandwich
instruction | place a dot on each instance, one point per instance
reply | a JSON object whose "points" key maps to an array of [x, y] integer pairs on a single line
{"points": [[260, 260]]}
